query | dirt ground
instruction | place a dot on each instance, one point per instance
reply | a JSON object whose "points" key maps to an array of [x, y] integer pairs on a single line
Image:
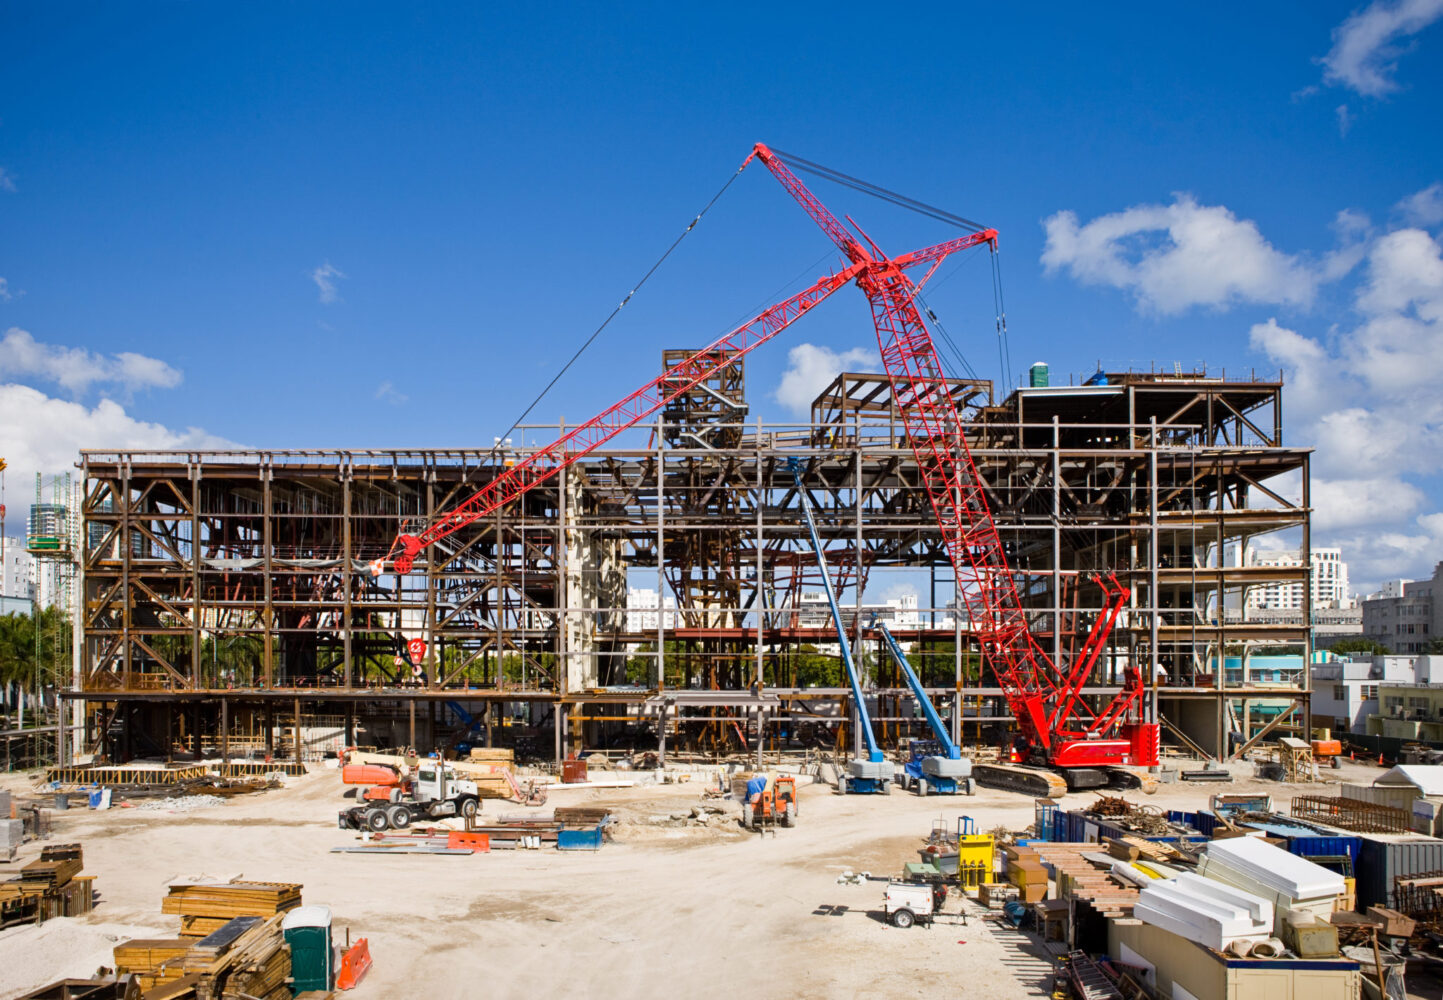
{"points": [[662, 911]]}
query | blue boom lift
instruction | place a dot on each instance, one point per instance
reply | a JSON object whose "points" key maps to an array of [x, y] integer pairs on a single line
{"points": [[874, 774], [935, 765]]}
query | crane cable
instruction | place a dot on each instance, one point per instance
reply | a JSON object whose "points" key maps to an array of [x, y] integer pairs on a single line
{"points": [[1004, 350], [619, 306], [866, 187]]}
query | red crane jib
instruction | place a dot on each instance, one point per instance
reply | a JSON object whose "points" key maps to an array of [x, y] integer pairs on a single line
{"points": [[1046, 700]]}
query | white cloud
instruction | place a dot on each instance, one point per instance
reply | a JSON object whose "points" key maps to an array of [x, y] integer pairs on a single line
{"points": [[1368, 399], [4, 290], [1173, 257], [1423, 208], [325, 278], [45, 435], [386, 392], [77, 369], [810, 368], [1367, 45], [7, 181], [1345, 119]]}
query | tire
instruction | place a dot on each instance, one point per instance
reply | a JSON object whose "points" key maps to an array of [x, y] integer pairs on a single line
{"points": [[746, 817], [903, 919], [922, 787], [792, 813], [1337, 763], [399, 817], [886, 788], [469, 808], [971, 786], [376, 821], [841, 784]]}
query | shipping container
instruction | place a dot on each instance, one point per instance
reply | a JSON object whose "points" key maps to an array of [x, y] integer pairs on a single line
{"points": [[1083, 829], [1309, 840], [1382, 857]]}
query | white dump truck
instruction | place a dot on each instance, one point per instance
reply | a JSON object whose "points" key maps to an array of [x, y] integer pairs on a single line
{"points": [[432, 791]]}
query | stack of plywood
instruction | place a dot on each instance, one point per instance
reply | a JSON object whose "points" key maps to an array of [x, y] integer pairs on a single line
{"points": [[204, 907], [1081, 878]]}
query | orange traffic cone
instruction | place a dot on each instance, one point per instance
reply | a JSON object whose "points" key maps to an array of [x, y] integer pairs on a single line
{"points": [[1380, 760]]}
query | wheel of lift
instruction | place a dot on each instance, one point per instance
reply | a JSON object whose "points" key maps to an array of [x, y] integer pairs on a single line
{"points": [[922, 787]]}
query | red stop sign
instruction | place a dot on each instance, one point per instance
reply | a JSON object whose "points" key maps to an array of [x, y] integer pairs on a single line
{"points": [[417, 649]]}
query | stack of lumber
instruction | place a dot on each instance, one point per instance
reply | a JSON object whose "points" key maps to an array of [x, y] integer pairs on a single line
{"points": [[242, 956], [204, 907], [153, 961], [49, 887], [495, 756], [1081, 878]]}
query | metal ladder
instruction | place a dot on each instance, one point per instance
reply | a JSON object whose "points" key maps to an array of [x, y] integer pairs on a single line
{"points": [[1090, 981]]}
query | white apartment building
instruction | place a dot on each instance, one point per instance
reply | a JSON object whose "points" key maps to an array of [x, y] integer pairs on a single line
{"points": [[1328, 578], [17, 571], [644, 612], [896, 612]]}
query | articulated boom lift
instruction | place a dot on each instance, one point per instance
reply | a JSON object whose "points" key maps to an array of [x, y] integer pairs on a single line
{"points": [[875, 773], [936, 764], [1058, 728]]}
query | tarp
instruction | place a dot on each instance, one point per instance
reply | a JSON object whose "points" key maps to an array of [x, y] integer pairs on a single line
{"points": [[1427, 778]]}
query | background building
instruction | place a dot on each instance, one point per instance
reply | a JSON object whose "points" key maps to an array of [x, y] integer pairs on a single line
{"points": [[1328, 578], [1408, 623], [17, 572]]}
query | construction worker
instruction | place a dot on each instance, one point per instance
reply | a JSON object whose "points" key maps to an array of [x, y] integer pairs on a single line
{"points": [[755, 787]]}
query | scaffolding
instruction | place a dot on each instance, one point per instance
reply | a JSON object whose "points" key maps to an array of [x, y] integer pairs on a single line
{"points": [[221, 584]]}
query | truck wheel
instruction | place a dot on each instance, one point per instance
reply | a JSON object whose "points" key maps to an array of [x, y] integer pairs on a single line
{"points": [[903, 919], [399, 817], [470, 807], [376, 820], [922, 787]]}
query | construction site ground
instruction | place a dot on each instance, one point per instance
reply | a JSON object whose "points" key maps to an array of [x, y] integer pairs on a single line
{"points": [[669, 908]]}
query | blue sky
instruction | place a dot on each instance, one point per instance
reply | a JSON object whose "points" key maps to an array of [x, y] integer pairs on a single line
{"points": [[361, 225]]}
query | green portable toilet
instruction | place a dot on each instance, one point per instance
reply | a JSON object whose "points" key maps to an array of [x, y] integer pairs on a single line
{"points": [[308, 932]]}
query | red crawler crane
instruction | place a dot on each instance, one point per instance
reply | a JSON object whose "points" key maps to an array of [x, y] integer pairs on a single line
{"points": [[1057, 727]]}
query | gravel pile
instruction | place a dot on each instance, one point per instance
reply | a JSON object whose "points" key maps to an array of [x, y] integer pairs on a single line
{"points": [[182, 803]]}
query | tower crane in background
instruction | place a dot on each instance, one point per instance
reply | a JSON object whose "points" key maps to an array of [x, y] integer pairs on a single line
{"points": [[1059, 731]]}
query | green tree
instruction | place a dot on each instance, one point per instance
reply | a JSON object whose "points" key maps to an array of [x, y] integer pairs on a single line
{"points": [[1359, 646]]}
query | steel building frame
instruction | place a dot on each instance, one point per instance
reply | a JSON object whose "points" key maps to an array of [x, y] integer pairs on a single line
{"points": [[220, 587]]}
